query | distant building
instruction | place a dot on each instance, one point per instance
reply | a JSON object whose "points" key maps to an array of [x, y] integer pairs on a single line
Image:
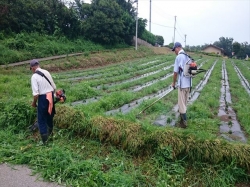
{"points": [[214, 49]]}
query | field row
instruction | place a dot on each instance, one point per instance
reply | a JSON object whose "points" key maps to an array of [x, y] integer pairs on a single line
{"points": [[126, 89]]}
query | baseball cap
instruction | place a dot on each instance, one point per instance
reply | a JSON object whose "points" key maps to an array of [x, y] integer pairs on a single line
{"points": [[177, 44], [33, 63]]}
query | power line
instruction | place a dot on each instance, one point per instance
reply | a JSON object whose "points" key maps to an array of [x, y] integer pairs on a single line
{"points": [[162, 25], [180, 35], [179, 28]]}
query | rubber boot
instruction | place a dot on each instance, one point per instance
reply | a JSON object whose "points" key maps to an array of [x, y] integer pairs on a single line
{"points": [[44, 138], [179, 122], [183, 122]]}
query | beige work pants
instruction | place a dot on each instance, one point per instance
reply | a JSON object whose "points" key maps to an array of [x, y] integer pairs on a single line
{"points": [[183, 94]]}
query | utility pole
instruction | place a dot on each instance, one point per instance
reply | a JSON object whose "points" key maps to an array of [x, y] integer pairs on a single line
{"points": [[150, 17], [136, 32], [185, 39], [174, 28]]}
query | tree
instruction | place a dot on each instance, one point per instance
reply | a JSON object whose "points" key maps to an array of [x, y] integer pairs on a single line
{"points": [[108, 23], [43, 16], [159, 40], [148, 37], [236, 48], [225, 44]]}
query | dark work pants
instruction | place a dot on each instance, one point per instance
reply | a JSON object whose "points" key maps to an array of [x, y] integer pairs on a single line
{"points": [[45, 120]]}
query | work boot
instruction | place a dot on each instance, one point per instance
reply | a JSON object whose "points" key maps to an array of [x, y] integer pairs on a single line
{"points": [[183, 122], [44, 138]]}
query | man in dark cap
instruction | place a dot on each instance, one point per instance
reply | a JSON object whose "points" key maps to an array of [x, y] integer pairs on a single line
{"points": [[43, 88], [184, 83]]}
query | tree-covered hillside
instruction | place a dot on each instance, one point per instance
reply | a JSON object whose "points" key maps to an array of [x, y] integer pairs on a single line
{"points": [[106, 22]]}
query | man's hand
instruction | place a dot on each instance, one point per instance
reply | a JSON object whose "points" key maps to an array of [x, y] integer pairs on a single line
{"points": [[34, 104], [173, 85], [174, 79], [34, 101]]}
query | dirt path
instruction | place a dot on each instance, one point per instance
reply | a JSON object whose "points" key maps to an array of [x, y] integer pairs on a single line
{"points": [[21, 176], [40, 59]]}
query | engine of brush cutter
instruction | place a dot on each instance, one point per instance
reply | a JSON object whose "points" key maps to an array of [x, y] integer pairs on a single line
{"points": [[60, 96]]}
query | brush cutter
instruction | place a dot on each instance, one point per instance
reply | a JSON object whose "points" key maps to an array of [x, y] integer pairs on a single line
{"points": [[137, 116], [197, 71]]}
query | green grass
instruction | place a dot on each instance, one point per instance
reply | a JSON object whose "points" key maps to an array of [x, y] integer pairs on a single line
{"points": [[91, 149]]}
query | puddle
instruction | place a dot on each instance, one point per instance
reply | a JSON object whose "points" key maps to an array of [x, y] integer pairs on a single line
{"points": [[230, 128]]}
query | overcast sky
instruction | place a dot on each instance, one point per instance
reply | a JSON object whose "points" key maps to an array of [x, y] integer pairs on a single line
{"points": [[202, 21]]}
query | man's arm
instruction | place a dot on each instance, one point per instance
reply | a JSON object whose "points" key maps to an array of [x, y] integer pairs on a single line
{"points": [[174, 79]]}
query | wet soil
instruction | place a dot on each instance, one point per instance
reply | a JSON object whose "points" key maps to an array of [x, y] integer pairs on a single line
{"points": [[230, 128]]}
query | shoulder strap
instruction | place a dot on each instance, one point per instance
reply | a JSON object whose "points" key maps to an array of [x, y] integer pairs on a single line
{"points": [[186, 55], [42, 74]]}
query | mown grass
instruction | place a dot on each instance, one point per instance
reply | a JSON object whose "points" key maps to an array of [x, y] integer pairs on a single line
{"points": [[108, 152], [91, 149]]}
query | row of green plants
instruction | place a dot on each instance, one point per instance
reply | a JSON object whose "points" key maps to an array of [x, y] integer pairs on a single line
{"points": [[114, 78], [239, 95], [118, 70], [86, 89], [164, 155], [244, 68]]}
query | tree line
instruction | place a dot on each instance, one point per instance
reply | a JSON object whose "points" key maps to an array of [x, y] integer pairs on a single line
{"points": [[231, 48], [106, 22]]}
